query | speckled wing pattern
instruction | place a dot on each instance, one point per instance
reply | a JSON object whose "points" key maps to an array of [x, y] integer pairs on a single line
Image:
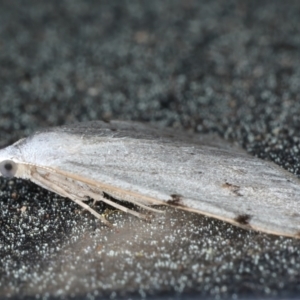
{"points": [[159, 166]]}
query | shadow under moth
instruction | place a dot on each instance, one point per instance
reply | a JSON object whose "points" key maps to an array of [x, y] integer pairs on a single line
{"points": [[147, 166]]}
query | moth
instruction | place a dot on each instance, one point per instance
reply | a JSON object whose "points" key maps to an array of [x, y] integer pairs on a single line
{"points": [[148, 166]]}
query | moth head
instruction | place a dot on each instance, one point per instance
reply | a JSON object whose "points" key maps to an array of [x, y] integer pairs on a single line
{"points": [[8, 162], [8, 168]]}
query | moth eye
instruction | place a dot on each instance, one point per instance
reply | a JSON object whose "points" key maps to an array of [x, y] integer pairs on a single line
{"points": [[8, 168]]}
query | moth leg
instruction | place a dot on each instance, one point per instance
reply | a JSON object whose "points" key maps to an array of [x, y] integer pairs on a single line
{"points": [[57, 189], [55, 180], [114, 192], [91, 191], [61, 184], [88, 208], [61, 180], [98, 197], [146, 207], [134, 199], [63, 188]]}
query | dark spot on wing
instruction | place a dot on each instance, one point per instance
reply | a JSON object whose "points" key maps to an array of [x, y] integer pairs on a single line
{"points": [[175, 200], [235, 189], [243, 219], [295, 215]]}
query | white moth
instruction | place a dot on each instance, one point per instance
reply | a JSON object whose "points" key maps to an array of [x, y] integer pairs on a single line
{"points": [[148, 166]]}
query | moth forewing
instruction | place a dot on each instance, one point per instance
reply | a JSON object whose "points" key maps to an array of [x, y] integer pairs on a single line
{"points": [[147, 166]]}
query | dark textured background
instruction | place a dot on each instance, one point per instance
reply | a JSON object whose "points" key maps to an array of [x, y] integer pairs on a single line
{"points": [[230, 67]]}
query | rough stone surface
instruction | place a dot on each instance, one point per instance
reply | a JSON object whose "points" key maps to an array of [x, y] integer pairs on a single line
{"points": [[231, 67]]}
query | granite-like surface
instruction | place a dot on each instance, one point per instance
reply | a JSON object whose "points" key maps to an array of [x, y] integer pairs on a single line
{"points": [[231, 67]]}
